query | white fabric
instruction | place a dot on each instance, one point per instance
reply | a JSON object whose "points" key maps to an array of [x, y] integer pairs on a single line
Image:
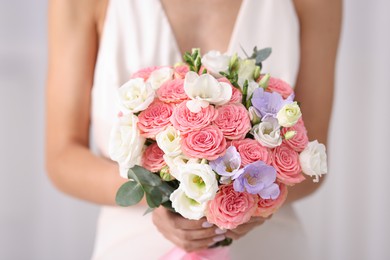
{"points": [[137, 34]]}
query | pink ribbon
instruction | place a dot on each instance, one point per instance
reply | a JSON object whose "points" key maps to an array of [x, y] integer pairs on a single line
{"points": [[218, 253]]}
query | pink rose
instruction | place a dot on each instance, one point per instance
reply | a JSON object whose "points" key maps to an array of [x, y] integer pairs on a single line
{"points": [[172, 91], [230, 208], [279, 86], [233, 120], [286, 162], [267, 207], [236, 95], [207, 143], [152, 158], [252, 151], [144, 73], [181, 71], [185, 121], [155, 119], [300, 139]]}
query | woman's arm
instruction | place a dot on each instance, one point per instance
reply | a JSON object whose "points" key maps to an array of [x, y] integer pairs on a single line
{"points": [[320, 22], [73, 44]]}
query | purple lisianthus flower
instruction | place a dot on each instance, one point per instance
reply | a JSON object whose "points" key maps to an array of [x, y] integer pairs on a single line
{"points": [[229, 164], [258, 178], [268, 104]]}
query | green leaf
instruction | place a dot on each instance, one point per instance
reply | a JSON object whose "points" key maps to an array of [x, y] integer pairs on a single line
{"points": [[168, 205], [143, 176], [149, 210], [248, 103], [226, 242], [130, 193], [262, 55], [244, 92], [153, 196]]}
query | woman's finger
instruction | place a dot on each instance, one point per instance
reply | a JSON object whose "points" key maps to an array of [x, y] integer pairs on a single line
{"points": [[194, 245], [201, 233], [186, 224]]}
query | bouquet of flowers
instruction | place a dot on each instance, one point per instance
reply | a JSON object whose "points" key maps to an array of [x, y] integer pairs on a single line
{"points": [[212, 137]]}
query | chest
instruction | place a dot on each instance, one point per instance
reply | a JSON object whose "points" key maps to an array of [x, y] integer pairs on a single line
{"points": [[208, 24]]}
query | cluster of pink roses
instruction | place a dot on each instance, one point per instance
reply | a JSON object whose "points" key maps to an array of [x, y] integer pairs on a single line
{"points": [[231, 148]]}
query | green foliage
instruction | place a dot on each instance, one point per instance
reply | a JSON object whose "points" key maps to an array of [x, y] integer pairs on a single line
{"points": [[143, 182], [245, 93], [226, 242], [261, 55], [129, 194], [193, 59]]}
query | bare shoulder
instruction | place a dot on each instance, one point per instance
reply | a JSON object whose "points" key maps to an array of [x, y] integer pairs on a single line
{"points": [[74, 8], [307, 7]]}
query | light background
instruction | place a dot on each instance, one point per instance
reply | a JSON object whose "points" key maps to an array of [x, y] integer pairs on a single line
{"points": [[347, 219]]}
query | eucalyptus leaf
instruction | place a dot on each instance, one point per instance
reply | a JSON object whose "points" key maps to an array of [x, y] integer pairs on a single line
{"points": [[166, 189], [153, 197], [262, 55], [148, 210], [130, 193], [143, 176], [168, 205]]}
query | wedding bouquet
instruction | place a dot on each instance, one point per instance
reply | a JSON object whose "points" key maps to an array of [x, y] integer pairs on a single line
{"points": [[212, 137]]}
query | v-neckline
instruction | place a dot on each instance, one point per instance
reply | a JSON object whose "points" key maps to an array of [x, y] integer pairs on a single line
{"points": [[232, 38]]}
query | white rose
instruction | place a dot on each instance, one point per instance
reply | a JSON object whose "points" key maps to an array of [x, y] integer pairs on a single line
{"points": [[187, 207], [126, 143], [267, 133], [289, 114], [204, 90], [158, 77], [136, 95], [215, 62], [247, 69], [313, 160], [175, 164], [169, 141], [198, 181]]}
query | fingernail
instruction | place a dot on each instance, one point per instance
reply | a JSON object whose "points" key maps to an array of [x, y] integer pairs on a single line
{"points": [[206, 224], [219, 238], [219, 231]]}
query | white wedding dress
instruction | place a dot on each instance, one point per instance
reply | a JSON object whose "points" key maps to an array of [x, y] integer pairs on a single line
{"points": [[137, 34]]}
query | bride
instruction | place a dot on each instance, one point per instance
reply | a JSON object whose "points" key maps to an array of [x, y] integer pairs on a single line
{"points": [[94, 46]]}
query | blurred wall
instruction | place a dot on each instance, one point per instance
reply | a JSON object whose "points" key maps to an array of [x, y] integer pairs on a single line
{"points": [[346, 219], [36, 221]]}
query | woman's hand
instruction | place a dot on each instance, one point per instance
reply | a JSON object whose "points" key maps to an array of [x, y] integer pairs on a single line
{"points": [[243, 229], [191, 235]]}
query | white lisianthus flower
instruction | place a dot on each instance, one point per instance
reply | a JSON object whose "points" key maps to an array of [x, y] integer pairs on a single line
{"points": [[126, 143], [158, 77], [175, 164], [136, 95], [267, 133], [187, 207], [215, 62], [289, 114], [169, 141], [204, 90], [247, 69], [198, 181], [313, 160]]}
